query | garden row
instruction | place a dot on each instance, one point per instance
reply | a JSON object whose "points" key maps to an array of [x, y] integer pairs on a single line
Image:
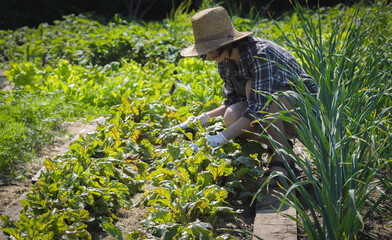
{"points": [[84, 188]]}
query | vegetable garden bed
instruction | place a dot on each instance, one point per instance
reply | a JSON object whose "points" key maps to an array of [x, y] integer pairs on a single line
{"points": [[125, 71]]}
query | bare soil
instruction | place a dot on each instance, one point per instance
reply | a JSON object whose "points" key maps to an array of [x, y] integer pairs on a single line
{"points": [[129, 220], [3, 80], [377, 224]]}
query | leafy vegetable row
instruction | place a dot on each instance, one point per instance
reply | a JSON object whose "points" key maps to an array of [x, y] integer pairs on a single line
{"points": [[85, 187]]}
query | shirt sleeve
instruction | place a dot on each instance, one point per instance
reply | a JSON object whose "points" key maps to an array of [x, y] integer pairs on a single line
{"points": [[229, 93], [264, 82]]}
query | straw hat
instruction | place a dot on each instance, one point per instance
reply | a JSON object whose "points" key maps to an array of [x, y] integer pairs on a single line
{"points": [[212, 29]]}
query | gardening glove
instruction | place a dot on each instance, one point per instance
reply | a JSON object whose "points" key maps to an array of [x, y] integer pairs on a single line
{"points": [[194, 147], [186, 123], [213, 141], [216, 140], [203, 119]]}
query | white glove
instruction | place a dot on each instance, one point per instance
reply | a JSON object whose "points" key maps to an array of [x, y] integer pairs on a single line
{"points": [[194, 147], [216, 140], [203, 119], [186, 123]]}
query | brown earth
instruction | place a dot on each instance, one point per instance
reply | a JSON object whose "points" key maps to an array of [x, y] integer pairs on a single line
{"points": [[4, 86]]}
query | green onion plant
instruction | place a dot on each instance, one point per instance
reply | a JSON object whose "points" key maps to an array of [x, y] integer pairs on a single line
{"points": [[346, 126]]}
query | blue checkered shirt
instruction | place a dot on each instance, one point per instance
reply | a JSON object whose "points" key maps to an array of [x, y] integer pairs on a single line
{"points": [[268, 65]]}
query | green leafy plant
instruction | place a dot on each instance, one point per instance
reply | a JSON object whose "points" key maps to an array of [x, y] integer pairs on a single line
{"points": [[50, 225]]}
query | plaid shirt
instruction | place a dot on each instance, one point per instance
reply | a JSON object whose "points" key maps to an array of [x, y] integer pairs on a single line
{"points": [[267, 64]]}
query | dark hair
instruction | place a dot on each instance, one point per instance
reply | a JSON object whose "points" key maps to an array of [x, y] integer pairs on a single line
{"points": [[229, 48], [220, 50]]}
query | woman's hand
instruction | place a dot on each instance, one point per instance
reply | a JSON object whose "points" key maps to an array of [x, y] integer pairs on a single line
{"points": [[216, 140], [213, 141], [186, 123], [203, 119]]}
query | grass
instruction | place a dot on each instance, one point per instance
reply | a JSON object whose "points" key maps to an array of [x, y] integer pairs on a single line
{"points": [[25, 121]]}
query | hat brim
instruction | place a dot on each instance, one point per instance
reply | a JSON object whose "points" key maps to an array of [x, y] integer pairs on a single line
{"points": [[205, 47]]}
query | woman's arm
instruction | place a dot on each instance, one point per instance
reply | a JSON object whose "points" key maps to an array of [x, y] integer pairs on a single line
{"points": [[237, 128], [220, 111]]}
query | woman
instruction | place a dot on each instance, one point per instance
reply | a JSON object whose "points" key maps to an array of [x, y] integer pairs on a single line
{"points": [[249, 66]]}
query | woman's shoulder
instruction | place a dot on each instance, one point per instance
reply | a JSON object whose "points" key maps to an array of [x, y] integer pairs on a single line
{"points": [[261, 43], [254, 46], [254, 39], [257, 46]]}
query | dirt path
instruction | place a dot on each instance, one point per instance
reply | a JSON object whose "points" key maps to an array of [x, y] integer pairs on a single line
{"points": [[3, 82]]}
